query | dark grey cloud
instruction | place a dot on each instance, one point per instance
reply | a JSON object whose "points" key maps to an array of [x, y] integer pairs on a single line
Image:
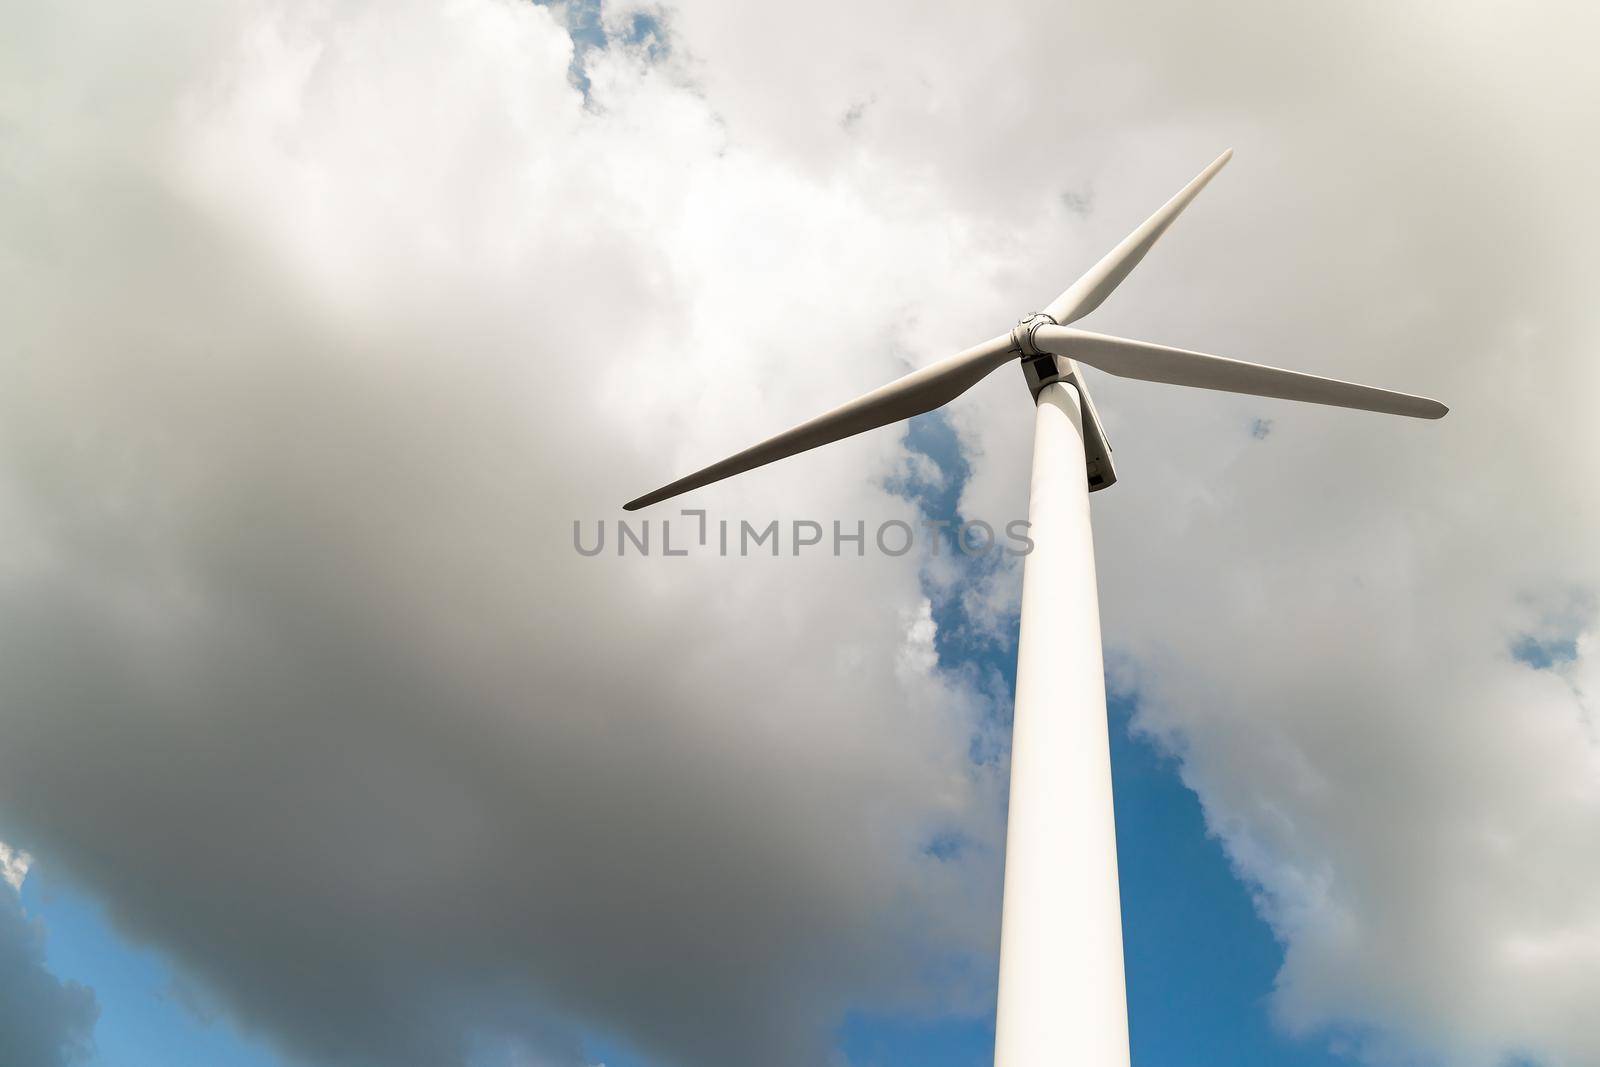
{"points": [[316, 358]]}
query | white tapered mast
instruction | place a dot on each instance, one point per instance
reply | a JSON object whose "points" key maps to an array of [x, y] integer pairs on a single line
{"points": [[1062, 998]]}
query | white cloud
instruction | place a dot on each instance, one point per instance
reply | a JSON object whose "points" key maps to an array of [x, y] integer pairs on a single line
{"points": [[14, 866]]}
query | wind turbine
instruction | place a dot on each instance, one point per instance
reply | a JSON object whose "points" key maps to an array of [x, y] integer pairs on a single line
{"points": [[1062, 996]]}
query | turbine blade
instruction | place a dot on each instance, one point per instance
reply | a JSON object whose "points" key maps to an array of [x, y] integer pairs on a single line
{"points": [[919, 391], [1089, 291], [1175, 366]]}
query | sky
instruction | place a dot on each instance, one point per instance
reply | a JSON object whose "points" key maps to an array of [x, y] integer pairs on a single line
{"points": [[326, 320]]}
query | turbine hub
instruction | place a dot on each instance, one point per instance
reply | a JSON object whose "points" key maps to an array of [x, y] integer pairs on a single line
{"points": [[1022, 335]]}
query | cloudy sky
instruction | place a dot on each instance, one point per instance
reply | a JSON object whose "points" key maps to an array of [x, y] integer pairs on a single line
{"points": [[325, 320]]}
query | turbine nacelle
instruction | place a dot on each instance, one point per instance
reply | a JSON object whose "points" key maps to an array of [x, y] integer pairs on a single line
{"points": [[1047, 368], [1041, 368], [1050, 351]]}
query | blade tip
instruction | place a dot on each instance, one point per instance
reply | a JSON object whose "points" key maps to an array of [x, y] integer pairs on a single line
{"points": [[1428, 408]]}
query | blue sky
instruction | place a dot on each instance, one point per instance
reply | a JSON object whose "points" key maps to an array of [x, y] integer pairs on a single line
{"points": [[1200, 962]]}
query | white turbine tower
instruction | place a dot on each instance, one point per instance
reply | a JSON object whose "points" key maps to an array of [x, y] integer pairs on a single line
{"points": [[1062, 995]]}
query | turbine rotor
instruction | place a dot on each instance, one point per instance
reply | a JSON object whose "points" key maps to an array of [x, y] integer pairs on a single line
{"points": [[1050, 350]]}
